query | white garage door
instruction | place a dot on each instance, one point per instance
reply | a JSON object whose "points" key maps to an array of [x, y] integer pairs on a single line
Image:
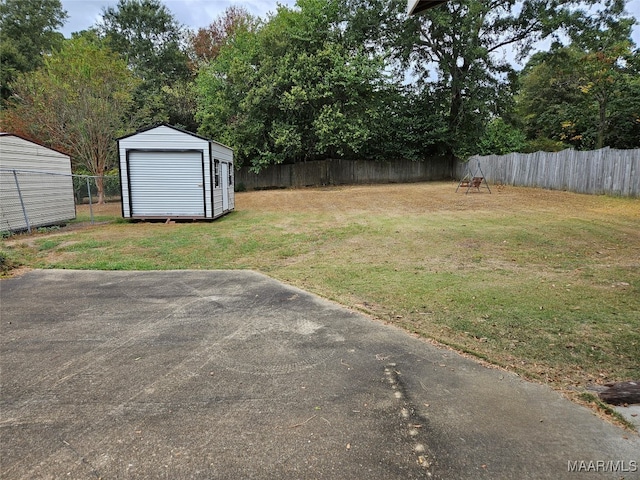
{"points": [[166, 184]]}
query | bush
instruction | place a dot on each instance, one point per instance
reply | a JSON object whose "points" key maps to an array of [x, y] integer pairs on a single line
{"points": [[6, 263], [544, 144], [500, 138]]}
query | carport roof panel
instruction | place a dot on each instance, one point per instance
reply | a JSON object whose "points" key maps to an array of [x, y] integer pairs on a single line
{"points": [[417, 6]]}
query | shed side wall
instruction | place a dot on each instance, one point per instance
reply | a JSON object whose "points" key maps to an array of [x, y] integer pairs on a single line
{"points": [[48, 197], [223, 154]]}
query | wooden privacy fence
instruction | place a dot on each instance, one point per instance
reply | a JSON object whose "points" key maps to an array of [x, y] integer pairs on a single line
{"points": [[345, 172], [604, 171]]}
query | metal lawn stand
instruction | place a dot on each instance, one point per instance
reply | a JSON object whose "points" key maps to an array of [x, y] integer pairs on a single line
{"points": [[473, 180]]}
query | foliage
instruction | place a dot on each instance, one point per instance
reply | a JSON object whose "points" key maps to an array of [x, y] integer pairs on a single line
{"points": [[8, 260], [292, 91], [356, 78], [148, 36], [586, 99], [151, 40], [586, 94], [27, 31], [543, 144], [206, 43], [501, 138], [76, 102], [463, 42]]}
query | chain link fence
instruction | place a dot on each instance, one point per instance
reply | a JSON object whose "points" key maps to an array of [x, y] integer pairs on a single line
{"points": [[31, 199], [85, 188]]}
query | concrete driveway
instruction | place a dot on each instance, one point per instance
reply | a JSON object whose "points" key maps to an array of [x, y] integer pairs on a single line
{"points": [[233, 375]]}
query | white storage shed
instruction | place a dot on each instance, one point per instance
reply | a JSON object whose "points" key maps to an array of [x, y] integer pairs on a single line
{"points": [[169, 173], [36, 186]]}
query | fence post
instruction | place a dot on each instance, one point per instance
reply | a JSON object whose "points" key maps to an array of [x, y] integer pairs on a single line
{"points": [[24, 210], [90, 202]]}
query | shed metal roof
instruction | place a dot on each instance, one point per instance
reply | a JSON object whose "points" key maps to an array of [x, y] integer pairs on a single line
{"points": [[9, 134], [151, 127]]}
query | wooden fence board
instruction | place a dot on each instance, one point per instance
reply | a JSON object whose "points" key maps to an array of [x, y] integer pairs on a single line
{"points": [[608, 171], [346, 172], [604, 171]]}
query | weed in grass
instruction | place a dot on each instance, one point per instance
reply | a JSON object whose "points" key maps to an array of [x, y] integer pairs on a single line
{"points": [[49, 229], [48, 244], [7, 262], [83, 246]]}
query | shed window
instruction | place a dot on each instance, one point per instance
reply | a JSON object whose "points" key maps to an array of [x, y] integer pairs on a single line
{"points": [[231, 175], [216, 169]]}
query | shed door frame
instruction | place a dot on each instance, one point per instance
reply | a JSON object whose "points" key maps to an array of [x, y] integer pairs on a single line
{"points": [[224, 176], [166, 150]]}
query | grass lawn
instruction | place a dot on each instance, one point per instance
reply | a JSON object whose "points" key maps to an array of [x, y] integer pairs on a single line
{"points": [[543, 283]]}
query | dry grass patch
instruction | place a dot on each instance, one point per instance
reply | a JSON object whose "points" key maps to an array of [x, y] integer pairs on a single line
{"points": [[544, 283]]}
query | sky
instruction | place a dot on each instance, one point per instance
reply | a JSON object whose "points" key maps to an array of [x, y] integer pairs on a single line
{"points": [[200, 13], [192, 13]]}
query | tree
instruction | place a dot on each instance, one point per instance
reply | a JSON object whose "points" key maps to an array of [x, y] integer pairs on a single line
{"points": [[501, 138], [463, 42], [549, 100], [27, 31], [77, 103], [149, 37], [205, 45], [292, 91], [605, 63], [151, 40], [624, 119], [585, 94]]}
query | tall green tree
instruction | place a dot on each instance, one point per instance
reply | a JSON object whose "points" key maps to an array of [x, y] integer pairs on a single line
{"points": [[462, 42], [586, 94], [152, 41], [147, 34], [293, 90], [607, 67], [77, 102], [549, 101], [586, 99], [205, 44], [27, 32], [624, 119]]}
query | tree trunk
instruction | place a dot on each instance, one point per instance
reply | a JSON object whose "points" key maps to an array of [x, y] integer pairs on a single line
{"points": [[458, 75], [100, 188], [602, 123]]}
